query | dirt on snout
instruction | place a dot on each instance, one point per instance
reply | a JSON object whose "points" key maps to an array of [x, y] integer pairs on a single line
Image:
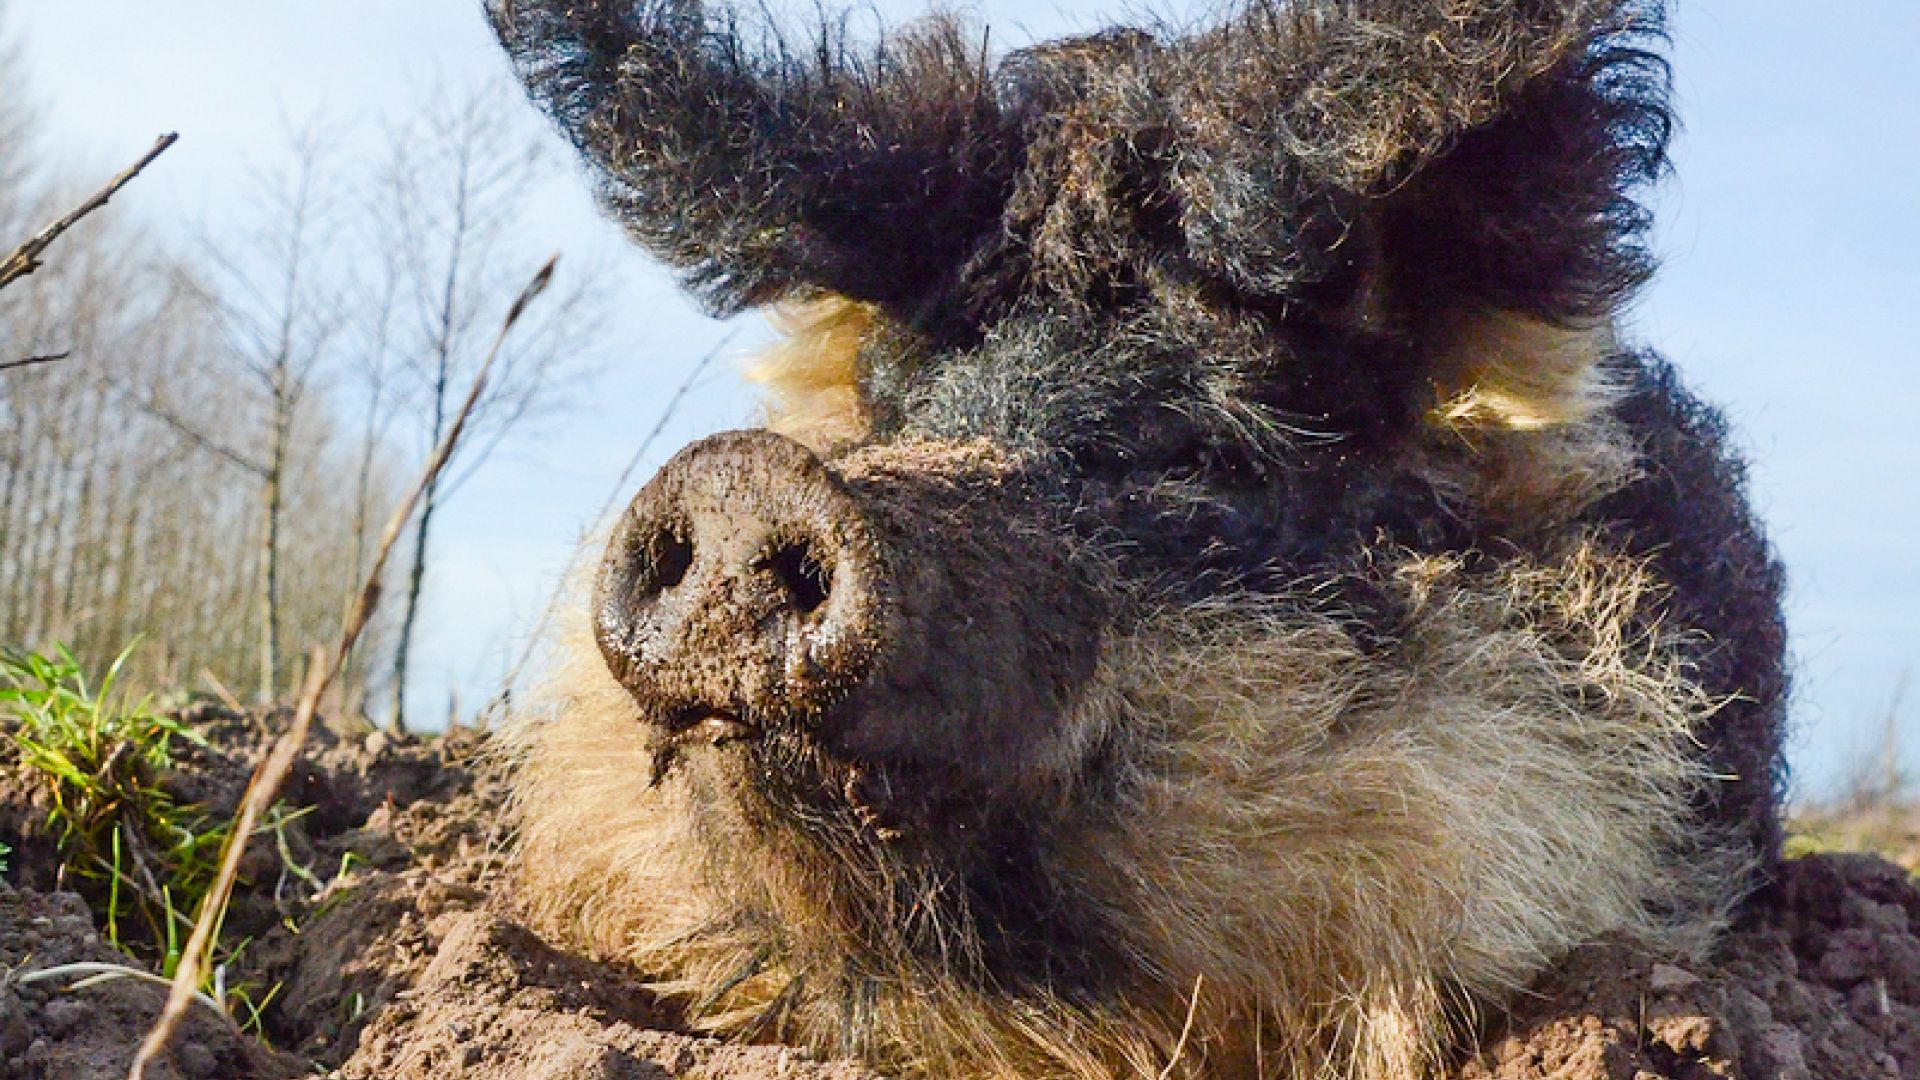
{"points": [[394, 953]]}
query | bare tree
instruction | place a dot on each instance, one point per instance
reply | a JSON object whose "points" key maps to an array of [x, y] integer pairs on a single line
{"points": [[1877, 779], [455, 177], [230, 410], [372, 368], [155, 485], [118, 521], [280, 315]]}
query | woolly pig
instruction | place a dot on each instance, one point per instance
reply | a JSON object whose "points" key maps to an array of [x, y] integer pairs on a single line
{"points": [[1214, 597]]}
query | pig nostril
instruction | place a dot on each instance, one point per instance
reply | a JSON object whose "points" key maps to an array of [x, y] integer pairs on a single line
{"points": [[800, 573], [672, 557]]}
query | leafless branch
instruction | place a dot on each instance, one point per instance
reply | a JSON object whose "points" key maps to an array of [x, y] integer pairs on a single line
{"points": [[660, 425], [25, 259], [220, 691], [515, 409], [32, 360], [321, 669]]}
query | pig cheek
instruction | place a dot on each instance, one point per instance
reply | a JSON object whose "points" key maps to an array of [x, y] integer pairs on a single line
{"points": [[984, 712]]}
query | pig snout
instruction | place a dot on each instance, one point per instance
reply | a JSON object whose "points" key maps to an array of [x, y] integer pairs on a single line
{"points": [[743, 583], [915, 607]]}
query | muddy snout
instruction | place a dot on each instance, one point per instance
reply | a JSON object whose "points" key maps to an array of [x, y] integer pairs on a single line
{"points": [[742, 584], [913, 606]]}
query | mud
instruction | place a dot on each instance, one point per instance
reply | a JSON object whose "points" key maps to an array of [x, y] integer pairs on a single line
{"points": [[393, 952], [496, 1002]]}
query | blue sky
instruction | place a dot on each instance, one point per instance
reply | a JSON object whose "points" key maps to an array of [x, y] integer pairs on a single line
{"points": [[1790, 293]]}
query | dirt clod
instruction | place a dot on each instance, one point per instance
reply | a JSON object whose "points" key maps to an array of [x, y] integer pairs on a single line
{"points": [[51, 1032]]}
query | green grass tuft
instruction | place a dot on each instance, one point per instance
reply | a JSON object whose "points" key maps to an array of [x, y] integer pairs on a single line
{"points": [[140, 857]]}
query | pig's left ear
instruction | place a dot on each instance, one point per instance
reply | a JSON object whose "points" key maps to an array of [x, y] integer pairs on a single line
{"points": [[767, 166], [1396, 162]]}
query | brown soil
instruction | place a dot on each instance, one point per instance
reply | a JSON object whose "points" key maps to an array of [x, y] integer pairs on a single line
{"points": [[90, 1034], [1821, 982], [407, 963]]}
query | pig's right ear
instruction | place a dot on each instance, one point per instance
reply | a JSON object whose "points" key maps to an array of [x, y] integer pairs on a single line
{"points": [[762, 171], [1393, 163]]}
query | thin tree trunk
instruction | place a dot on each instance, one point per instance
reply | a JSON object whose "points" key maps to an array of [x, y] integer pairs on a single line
{"points": [[442, 379], [42, 483], [119, 613], [270, 546], [82, 528], [10, 628], [428, 501], [353, 669]]}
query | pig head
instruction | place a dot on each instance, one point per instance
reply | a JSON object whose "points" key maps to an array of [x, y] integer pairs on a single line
{"points": [[1198, 460]]}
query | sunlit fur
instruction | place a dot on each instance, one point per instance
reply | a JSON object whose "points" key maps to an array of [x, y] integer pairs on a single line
{"points": [[1511, 371], [811, 374], [1346, 853]]}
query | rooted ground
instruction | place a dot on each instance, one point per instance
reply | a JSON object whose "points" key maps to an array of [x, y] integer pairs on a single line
{"points": [[396, 955]]}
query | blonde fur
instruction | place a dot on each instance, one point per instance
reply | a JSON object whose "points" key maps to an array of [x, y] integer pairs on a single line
{"points": [[1524, 396], [1504, 370], [812, 375], [1354, 852], [1522, 431], [1530, 483]]}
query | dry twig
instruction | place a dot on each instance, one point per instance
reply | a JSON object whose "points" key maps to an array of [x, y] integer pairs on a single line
{"points": [[25, 259], [220, 691], [91, 973], [32, 360], [321, 669]]}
